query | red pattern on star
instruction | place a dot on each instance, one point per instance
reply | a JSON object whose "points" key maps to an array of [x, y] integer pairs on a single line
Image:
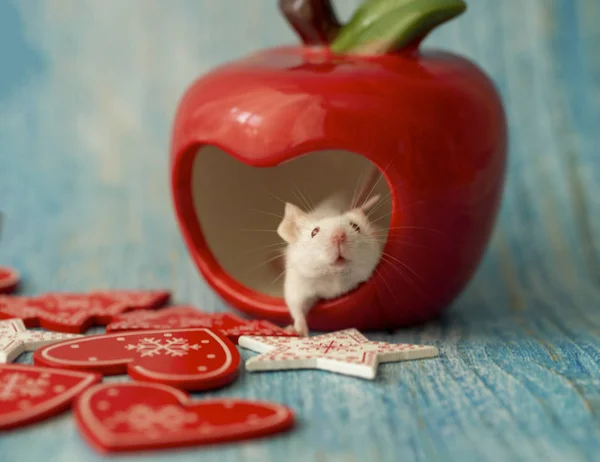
{"points": [[346, 352]]}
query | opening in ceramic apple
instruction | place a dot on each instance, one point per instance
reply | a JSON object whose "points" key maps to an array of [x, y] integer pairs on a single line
{"points": [[239, 207]]}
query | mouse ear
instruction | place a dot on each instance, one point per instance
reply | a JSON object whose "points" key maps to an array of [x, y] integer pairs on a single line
{"points": [[288, 228], [368, 205]]}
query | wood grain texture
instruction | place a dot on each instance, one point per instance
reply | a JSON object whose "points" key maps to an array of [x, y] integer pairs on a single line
{"points": [[84, 185]]}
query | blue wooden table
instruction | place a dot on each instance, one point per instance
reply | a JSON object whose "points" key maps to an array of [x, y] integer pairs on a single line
{"points": [[87, 92]]}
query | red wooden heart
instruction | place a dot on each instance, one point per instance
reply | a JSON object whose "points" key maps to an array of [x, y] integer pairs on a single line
{"points": [[192, 359], [74, 313], [30, 394], [130, 416], [9, 280], [231, 326]]}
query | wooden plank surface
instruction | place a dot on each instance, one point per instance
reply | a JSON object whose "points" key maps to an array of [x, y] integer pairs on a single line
{"points": [[87, 92]]}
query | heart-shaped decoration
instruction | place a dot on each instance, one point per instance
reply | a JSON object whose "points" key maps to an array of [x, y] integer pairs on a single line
{"points": [[75, 313], [229, 325], [191, 359], [9, 280], [30, 394], [134, 416]]}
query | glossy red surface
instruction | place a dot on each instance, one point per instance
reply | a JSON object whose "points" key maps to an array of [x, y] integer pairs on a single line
{"points": [[190, 359], [432, 120], [35, 394]]}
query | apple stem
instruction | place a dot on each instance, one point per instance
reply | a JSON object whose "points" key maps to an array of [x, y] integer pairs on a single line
{"points": [[314, 21], [383, 26]]}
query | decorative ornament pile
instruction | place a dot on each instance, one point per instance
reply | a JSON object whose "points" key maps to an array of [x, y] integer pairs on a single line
{"points": [[179, 317], [166, 350], [75, 313]]}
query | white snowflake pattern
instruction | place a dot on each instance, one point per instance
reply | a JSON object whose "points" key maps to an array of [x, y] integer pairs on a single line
{"points": [[175, 347], [16, 385], [143, 418]]}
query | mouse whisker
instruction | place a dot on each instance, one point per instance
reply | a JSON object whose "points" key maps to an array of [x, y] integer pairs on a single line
{"points": [[280, 200], [307, 204], [275, 215], [388, 194], [400, 238], [267, 213], [381, 175], [379, 205], [387, 215], [282, 245], [383, 201], [385, 241], [404, 276], [266, 262], [423, 228], [403, 238], [356, 189], [408, 206], [278, 277], [258, 230], [380, 274], [385, 254], [276, 197]]}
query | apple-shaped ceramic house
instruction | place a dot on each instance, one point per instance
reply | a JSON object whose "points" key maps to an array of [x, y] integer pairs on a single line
{"points": [[313, 117]]}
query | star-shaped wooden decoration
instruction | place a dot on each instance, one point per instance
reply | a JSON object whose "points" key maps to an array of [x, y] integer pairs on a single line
{"points": [[16, 339], [345, 352]]}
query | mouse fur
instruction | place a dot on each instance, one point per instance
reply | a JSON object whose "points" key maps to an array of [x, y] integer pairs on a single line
{"points": [[331, 250]]}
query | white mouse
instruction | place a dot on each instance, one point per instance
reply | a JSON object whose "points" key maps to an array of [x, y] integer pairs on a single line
{"points": [[331, 250]]}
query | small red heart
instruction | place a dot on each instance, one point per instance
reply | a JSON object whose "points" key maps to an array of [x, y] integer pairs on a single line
{"points": [[130, 416], [9, 280], [30, 394], [191, 359]]}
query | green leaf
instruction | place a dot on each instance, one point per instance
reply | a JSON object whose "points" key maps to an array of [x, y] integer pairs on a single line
{"points": [[379, 26]]}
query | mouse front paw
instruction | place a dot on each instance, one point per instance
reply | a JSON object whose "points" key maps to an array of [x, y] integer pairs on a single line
{"points": [[298, 328]]}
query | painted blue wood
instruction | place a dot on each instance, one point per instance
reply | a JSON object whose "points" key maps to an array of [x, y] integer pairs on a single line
{"points": [[87, 92]]}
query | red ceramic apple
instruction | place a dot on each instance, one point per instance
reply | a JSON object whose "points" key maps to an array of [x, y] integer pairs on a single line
{"points": [[250, 133]]}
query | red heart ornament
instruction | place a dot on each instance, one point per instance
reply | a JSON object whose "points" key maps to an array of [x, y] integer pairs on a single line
{"points": [[75, 313], [191, 359], [134, 416], [30, 394], [227, 324], [9, 280]]}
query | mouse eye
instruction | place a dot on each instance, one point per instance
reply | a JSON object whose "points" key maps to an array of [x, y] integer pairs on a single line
{"points": [[315, 232], [355, 227]]}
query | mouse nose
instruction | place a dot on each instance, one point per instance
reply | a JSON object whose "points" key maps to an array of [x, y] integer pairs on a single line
{"points": [[338, 236]]}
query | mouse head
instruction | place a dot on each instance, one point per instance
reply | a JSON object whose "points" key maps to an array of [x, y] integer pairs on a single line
{"points": [[339, 243]]}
